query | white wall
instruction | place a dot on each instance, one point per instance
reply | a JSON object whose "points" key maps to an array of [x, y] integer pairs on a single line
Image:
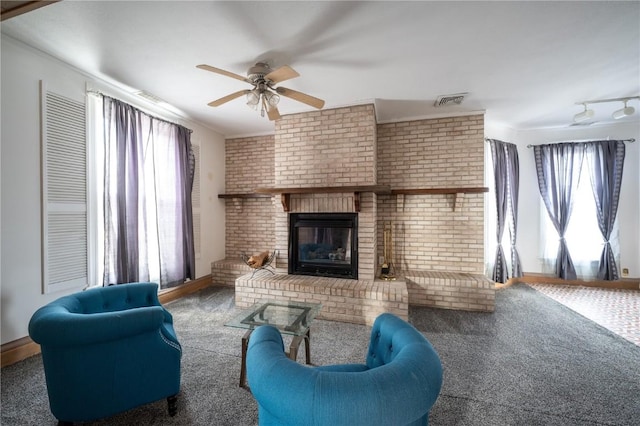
{"points": [[212, 183], [20, 250], [530, 201]]}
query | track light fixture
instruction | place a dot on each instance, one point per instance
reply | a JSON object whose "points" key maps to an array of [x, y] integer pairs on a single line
{"points": [[584, 115], [618, 114], [623, 112]]}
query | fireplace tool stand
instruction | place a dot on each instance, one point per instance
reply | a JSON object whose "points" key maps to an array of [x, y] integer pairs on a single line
{"points": [[387, 268]]}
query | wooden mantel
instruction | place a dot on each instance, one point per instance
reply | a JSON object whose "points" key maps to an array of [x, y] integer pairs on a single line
{"points": [[457, 192], [378, 189], [243, 195], [285, 193], [418, 191]]}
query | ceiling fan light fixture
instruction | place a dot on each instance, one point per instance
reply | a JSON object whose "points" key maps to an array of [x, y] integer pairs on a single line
{"points": [[253, 98], [623, 112], [272, 98], [584, 115]]}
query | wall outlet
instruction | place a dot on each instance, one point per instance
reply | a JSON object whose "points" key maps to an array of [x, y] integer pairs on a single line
{"points": [[625, 272]]}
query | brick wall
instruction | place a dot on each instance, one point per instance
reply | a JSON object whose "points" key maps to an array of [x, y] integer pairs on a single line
{"points": [[437, 153], [249, 224], [334, 147]]}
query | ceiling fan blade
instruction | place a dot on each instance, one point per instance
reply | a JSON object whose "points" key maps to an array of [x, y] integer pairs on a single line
{"points": [[223, 72], [228, 98], [300, 97], [273, 113], [283, 73]]}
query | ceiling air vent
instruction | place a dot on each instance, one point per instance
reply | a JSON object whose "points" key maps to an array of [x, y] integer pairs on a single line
{"points": [[150, 97], [446, 100]]}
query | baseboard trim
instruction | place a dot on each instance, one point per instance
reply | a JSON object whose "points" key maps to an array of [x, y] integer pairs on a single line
{"points": [[189, 287], [17, 350], [538, 278]]}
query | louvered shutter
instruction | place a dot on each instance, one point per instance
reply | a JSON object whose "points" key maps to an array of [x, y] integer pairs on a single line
{"points": [[64, 193]]}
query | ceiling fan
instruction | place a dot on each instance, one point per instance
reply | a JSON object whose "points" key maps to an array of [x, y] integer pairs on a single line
{"points": [[264, 94]]}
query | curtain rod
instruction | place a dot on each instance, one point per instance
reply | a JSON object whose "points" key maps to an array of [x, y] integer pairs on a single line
{"points": [[99, 93], [631, 140]]}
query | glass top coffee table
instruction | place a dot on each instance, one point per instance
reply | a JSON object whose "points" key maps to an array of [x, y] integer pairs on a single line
{"points": [[289, 317]]}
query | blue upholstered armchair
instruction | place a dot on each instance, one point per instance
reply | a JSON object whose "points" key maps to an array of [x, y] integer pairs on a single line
{"points": [[397, 385], [107, 350]]}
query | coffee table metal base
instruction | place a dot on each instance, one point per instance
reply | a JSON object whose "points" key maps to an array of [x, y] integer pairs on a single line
{"points": [[292, 354]]}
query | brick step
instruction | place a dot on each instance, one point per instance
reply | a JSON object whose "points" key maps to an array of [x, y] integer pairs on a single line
{"points": [[225, 271], [450, 290]]}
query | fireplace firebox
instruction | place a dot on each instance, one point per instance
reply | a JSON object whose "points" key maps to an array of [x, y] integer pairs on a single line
{"points": [[323, 244]]}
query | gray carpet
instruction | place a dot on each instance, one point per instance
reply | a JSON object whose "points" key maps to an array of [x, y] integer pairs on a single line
{"points": [[532, 362]]}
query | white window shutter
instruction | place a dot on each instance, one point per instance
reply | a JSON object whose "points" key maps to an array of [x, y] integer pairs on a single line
{"points": [[64, 193], [195, 201]]}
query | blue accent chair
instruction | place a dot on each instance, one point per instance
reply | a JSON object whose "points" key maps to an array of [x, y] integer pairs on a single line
{"points": [[397, 385], [107, 350]]}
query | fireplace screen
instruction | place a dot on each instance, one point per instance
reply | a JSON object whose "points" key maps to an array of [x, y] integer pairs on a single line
{"points": [[323, 244]]}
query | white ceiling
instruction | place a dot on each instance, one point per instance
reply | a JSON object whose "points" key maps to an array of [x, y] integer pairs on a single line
{"points": [[526, 64]]}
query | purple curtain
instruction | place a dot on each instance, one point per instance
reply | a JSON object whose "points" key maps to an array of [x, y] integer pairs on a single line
{"points": [[513, 190], [498, 154], [558, 168], [506, 172], [606, 161], [147, 198]]}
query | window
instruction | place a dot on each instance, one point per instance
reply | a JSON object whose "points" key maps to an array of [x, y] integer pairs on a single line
{"points": [[583, 236], [141, 202]]}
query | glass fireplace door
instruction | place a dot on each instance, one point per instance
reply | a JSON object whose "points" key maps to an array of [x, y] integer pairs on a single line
{"points": [[323, 244]]}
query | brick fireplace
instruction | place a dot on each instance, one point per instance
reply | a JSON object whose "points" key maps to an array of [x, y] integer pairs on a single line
{"points": [[323, 149], [438, 237]]}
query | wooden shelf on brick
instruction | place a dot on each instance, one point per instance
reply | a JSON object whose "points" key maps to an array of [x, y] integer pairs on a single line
{"points": [[418, 191], [285, 193], [237, 196], [457, 192]]}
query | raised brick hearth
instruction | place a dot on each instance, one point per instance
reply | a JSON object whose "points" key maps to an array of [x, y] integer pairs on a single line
{"points": [[360, 301], [438, 238], [354, 301], [450, 290]]}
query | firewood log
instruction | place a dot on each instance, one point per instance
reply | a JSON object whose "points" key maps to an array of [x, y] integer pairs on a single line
{"points": [[257, 260]]}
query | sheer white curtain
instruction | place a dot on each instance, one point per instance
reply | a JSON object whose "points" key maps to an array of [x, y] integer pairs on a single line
{"points": [[558, 168], [491, 221], [583, 236], [143, 174]]}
